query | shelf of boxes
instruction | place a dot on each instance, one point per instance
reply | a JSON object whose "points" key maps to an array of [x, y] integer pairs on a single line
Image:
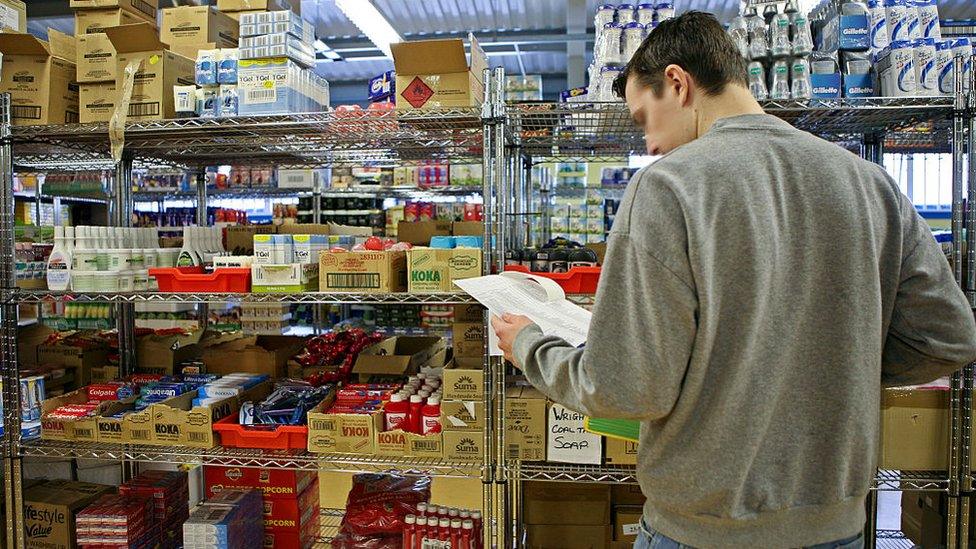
{"points": [[40, 296]]}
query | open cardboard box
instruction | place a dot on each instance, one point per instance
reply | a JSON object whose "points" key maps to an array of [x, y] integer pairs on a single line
{"points": [[82, 360], [914, 429], [344, 433], [160, 354], [464, 379], [432, 74], [252, 355], [81, 429], [399, 356], [40, 78]]}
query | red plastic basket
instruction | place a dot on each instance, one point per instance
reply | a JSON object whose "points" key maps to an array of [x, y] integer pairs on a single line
{"points": [[579, 280], [269, 437], [193, 279]]}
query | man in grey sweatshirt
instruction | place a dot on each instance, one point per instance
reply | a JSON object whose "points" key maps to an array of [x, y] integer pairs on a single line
{"points": [[760, 287]]}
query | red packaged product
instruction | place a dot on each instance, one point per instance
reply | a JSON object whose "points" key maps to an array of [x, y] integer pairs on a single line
{"points": [[378, 504]]}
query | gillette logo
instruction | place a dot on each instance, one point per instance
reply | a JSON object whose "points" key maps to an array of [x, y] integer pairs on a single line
{"points": [[826, 90], [860, 91], [854, 31]]}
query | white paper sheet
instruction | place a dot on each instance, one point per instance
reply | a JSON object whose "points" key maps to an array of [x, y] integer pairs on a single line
{"points": [[539, 299]]}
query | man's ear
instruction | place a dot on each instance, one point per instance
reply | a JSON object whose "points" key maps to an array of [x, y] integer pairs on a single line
{"points": [[681, 82]]}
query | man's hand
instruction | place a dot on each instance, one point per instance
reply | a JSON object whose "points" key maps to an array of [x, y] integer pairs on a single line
{"points": [[507, 327]]}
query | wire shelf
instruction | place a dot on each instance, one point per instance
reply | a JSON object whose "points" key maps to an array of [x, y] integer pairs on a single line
{"points": [[244, 457], [41, 296], [329, 522], [254, 192], [605, 131], [562, 472], [892, 539], [287, 141]]}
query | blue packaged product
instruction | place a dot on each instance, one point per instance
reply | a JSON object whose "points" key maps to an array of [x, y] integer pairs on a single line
{"points": [[572, 94], [228, 102], [227, 66], [208, 102], [469, 241], [206, 68], [858, 85], [200, 378], [382, 87], [443, 242], [218, 391], [900, 16], [944, 66]]}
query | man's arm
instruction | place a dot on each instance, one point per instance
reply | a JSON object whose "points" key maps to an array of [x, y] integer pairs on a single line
{"points": [[638, 346], [932, 331]]}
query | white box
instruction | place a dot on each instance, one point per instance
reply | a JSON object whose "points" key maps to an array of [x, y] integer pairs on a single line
{"points": [[297, 179]]}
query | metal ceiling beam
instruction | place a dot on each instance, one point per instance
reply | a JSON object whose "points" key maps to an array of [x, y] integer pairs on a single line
{"points": [[576, 23]]}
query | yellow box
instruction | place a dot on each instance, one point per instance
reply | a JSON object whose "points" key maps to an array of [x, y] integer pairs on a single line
{"points": [[432, 74], [96, 60], [432, 270], [40, 77], [344, 433], [97, 102], [464, 445], [196, 25], [462, 415], [367, 272]]}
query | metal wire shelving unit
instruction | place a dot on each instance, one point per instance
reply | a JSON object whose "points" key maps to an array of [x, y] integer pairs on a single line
{"points": [[328, 139], [604, 132]]}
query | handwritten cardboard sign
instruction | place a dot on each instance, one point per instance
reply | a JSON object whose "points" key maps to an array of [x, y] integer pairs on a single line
{"points": [[567, 440]]}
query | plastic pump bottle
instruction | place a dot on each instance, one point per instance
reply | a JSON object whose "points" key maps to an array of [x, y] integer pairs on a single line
{"points": [[757, 81], [188, 255], [59, 263]]}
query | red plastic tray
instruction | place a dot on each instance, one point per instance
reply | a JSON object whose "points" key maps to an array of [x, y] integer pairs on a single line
{"points": [[270, 437], [579, 280], [193, 279]]}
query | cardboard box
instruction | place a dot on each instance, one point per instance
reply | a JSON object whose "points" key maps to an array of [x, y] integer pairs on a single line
{"points": [[40, 78], [158, 71], [923, 518], [567, 441], [469, 338], [95, 60], [81, 360], [260, 5], [620, 452], [367, 272], [464, 445], [104, 373], [274, 483], [49, 511], [468, 228], [914, 429], [290, 278], [196, 25], [177, 422], [419, 233], [399, 356], [29, 338], [464, 379], [626, 523], [161, 354], [344, 433], [191, 51], [566, 503], [13, 15], [236, 15], [627, 494], [469, 313], [97, 101], [96, 21], [334, 486], [525, 424], [239, 239], [432, 270], [146, 9], [462, 415], [83, 429], [400, 443], [252, 355], [433, 74], [567, 536]]}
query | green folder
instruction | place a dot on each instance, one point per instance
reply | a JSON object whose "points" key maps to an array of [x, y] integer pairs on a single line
{"points": [[625, 429]]}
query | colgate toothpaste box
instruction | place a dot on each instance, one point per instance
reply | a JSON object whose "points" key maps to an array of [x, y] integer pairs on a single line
{"points": [[274, 483]]}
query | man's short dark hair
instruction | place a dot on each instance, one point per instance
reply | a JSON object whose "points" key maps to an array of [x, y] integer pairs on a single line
{"points": [[696, 42]]}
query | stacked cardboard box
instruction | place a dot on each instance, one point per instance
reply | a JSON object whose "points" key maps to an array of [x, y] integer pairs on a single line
{"points": [[627, 504], [96, 60], [525, 424], [189, 29], [50, 507], [40, 77], [236, 8], [567, 516], [463, 409]]}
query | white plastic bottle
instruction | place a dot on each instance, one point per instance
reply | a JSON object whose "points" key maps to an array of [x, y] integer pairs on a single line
{"points": [[800, 27], [779, 88], [779, 31], [84, 257], [59, 263], [757, 81], [188, 254], [69, 242]]}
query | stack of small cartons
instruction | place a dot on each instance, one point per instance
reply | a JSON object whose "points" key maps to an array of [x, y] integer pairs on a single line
{"points": [[96, 59], [237, 8]]}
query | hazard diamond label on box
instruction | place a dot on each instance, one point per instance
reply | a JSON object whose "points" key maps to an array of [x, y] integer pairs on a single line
{"points": [[417, 93]]}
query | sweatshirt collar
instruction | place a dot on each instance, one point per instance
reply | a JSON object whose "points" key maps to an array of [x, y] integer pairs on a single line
{"points": [[750, 121]]}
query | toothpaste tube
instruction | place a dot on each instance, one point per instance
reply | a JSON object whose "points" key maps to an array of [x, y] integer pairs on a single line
{"points": [[162, 389], [200, 378], [899, 20], [926, 75], [143, 379], [928, 18], [944, 66]]}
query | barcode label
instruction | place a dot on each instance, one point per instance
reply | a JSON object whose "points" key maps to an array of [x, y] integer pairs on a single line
{"points": [[140, 435], [426, 445], [352, 280], [144, 109], [83, 433], [259, 96], [144, 7], [28, 112], [197, 437]]}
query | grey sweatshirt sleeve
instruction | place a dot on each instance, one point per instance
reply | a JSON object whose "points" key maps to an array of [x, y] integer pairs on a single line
{"points": [[640, 298], [932, 331]]}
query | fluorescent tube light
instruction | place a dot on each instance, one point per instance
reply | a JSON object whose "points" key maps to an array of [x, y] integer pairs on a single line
{"points": [[371, 22]]}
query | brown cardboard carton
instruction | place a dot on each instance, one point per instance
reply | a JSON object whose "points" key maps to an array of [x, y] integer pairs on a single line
{"points": [[81, 360], [923, 520], [240, 238], [626, 523], [96, 60], [566, 503], [153, 71], [137, 427], [236, 15], [104, 373], [400, 355], [435, 270], [463, 445], [525, 424], [49, 511], [469, 338], [252, 355], [399, 443], [97, 101], [160, 354], [468, 228], [367, 272], [627, 494], [433, 74], [469, 313], [914, 429], [198, 24], [145, 9], [40, 78], [620, 452], [567, 536], [462, 415], [344, 433], [13, 15], [600, 248], [72, 429], [96, 21], [192, 51], [464, 379], [29, 338], [260, 5], [419, 233]]}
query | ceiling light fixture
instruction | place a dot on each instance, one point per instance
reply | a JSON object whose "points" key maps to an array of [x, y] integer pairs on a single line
{"points": [[371, 22]]}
